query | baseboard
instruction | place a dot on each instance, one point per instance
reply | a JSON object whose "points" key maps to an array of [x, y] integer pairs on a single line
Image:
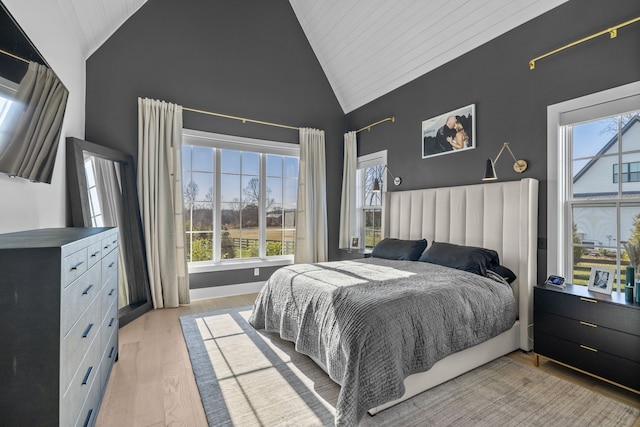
{"points": [[225, 291]]}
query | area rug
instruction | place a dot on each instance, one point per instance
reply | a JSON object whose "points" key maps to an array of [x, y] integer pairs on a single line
{"points": [[253, 378]]}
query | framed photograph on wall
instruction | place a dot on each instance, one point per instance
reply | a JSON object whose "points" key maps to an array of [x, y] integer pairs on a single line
{"points": [[601, 280], [450, 132]]}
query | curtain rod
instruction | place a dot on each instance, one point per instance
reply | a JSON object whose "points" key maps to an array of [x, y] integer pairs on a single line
{"points": [[613, 33], [13, 56], [261, 122], [242, 119], [368, 127]]}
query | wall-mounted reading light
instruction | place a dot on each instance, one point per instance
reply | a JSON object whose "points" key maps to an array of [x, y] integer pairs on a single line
{"points": [[376, 183], [490, 171]]}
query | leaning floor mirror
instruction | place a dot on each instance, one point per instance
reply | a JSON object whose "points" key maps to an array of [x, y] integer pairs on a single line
{"points": [[103, 193]]}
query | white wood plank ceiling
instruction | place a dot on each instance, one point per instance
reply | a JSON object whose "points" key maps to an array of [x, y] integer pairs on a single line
{"points": [[94, 21], [366, 48]]}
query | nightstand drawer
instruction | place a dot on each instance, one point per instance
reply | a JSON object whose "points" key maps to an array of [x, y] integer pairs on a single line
{"points": [[589, 334], [613, 368], [611, 316]]}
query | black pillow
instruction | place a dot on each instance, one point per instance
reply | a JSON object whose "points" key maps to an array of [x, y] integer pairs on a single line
{"points": [[468, 258], [397, 249], [504, 272]]}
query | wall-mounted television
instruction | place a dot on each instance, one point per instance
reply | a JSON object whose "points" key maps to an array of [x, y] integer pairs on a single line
{"points": [[32, 106]]}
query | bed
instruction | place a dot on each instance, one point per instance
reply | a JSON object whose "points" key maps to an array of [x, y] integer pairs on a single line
{"points": [[366, 323]]}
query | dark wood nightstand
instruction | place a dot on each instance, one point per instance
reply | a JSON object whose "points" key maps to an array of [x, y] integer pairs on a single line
{"points": [[366, 253], [593, 333]]}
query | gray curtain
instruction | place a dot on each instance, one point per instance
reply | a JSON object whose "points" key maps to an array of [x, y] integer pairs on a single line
{"points": [[37, 115], [311, 224], [161, 202]]}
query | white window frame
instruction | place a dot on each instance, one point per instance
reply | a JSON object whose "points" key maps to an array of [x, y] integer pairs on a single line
{"points": [[231, 142], [559, 227], [368, 160]]}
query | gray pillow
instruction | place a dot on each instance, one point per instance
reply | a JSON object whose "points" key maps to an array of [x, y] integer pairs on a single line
{"points": [[398, 249]]}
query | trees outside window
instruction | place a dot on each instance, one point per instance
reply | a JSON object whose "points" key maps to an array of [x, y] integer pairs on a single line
{"points": [[239, 204]]}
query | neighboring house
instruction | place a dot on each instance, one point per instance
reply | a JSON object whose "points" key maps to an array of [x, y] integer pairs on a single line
{"points": [[599, 177]]}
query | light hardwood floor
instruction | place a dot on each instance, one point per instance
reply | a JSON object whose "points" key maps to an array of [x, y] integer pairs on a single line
{"points": [[152, 383]]}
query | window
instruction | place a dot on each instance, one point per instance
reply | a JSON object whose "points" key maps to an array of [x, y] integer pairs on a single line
{"points": [[240, 198], [92, 189], [369, 203], [630, 172], [591, 216]]}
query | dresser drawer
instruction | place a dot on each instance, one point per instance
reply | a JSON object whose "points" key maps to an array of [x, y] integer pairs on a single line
{"points": [[94, 253], [109, 294], [89, 412], [590, 310], [109, 357], [605, 365], [80, 386], [73, 266], [77, 297], [109, 323], [595, 336], [109, 243], [76, 344], [110, 266]]}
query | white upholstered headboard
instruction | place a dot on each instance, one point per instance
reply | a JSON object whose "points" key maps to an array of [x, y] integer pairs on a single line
{"points": [[502, 216]]}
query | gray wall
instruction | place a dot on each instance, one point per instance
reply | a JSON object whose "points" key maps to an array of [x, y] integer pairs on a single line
{"points": [[250, 58], [246, 58], [511, 100]]}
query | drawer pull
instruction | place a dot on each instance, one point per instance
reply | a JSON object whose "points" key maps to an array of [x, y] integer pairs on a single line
{"points": [[113, 319], [112, 291], [588, 300], [86, 291], [86, 421], [106, 246], [588, 324], [75, 267], [111, 352], [114, 242], [95, 254], [111, 265], [588, 348], [86, 331], [86, 376]]}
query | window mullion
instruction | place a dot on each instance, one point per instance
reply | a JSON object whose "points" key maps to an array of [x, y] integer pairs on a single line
{"points": [[217, 213], [262, 214]]}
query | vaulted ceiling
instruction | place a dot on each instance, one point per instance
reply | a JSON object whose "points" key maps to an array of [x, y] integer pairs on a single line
{"points": [[366, 48]]}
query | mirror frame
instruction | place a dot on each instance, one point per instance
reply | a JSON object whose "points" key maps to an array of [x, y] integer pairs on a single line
{"points": [[135, 263]]}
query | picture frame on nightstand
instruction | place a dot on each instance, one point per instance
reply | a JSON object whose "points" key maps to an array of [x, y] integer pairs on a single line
{"points": [[601, 280]]}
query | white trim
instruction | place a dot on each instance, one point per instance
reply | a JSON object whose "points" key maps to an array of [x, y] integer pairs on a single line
{"points": [[239, 264], [372, 159], [225, 291], [8, 88], [231, 142], [556, 159]]}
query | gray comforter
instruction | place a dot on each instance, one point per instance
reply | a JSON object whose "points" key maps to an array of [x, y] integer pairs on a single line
{"points": [[371, 323]]}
